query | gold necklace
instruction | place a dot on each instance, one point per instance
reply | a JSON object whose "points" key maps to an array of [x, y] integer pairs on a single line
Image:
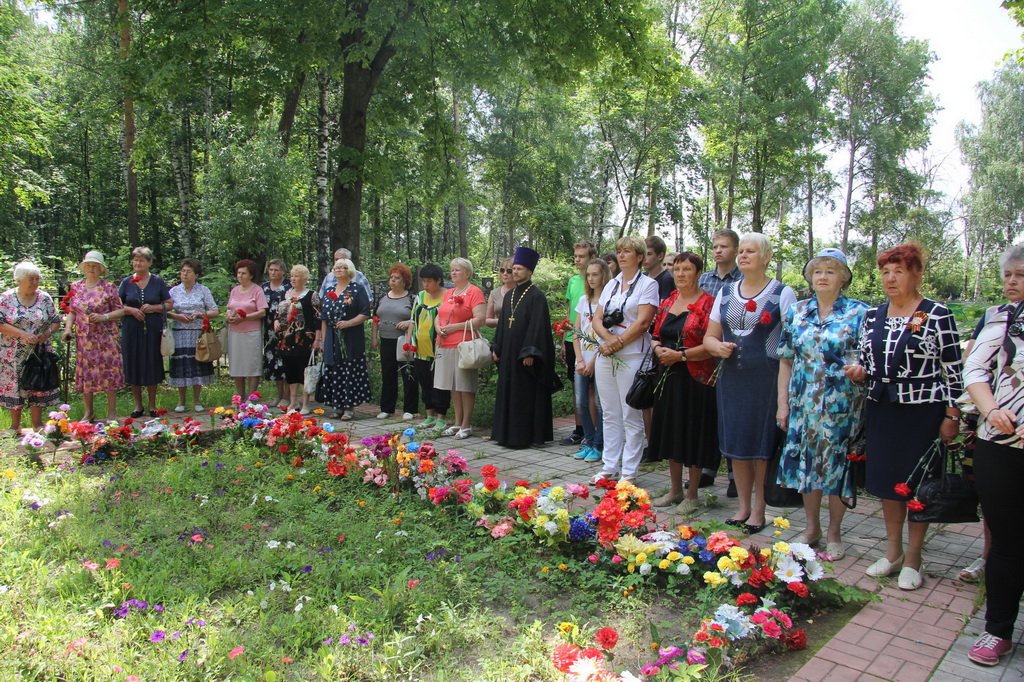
{"points": [[515, 303]]}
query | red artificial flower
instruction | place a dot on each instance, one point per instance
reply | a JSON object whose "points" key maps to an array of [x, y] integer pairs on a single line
{"points": [[606, 484], [489, 470], [606, 638], [458, 300], [136, 279], [746, 599], [333, 295], [522, 483], [750, 305], [335, 468], [798, 588], [113, 563], [491, 484], [283, 449], [796, 640], [161, 412], [902, 489], [916, 505], [293, 314], [241, 313], [206, 324], [766, 318], [376, 319], [564, 656], [297, 462], [408, 348]]}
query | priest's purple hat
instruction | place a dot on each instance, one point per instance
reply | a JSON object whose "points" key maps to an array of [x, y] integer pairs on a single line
{"points": [[526, 257]]}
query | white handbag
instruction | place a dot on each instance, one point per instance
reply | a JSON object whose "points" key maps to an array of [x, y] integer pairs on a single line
{"points": [[166, 341], [474, 353], [311, 377], [403, 356]]}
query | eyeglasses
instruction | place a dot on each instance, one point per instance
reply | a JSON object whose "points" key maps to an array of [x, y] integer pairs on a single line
{"points": [[505, 271]]}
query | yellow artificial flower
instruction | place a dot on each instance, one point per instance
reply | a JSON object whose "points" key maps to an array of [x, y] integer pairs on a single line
{"points": [[688, 560], [404, 471], [631, 568], [565, 627], [781, 522], [713, 579], [317, 488], [765, 553], [781, 548], [361, 503], [738, 554], [220, 410], [641, 558], [318, 410], [545, 570], [289, 477], [9, 473], [258, 464], [563, 567], [726, 564], [674, 556], [557, 493], [664, 563]]}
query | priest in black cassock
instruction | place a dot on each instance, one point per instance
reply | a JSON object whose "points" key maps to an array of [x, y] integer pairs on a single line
{"points": [[525, 355]]}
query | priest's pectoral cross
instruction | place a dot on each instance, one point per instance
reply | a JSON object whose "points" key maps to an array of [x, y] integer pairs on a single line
{"points": [[511, 319]]}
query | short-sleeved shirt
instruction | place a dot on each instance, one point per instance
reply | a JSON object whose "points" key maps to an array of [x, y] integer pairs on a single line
{"points": [[457, 309], [250, 301], [584, 311], [617, 295], [199, 300], [666, 284], [573, 290], [710, 281], [391, 311]]}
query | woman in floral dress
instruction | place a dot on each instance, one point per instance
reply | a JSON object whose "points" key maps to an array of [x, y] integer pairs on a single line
{"points": [[345, 382], [93, 308], [819, 407], [274, 289], [27, 317]]}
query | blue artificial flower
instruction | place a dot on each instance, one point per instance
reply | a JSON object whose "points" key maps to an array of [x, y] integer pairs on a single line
{"points": [[582, 529], [706, 556], [412, 446], [328, 427], [409, 432]]}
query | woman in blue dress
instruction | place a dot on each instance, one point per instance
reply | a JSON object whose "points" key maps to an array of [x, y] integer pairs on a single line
{"points": [[819, 407], [345, 381], [147, 300]]}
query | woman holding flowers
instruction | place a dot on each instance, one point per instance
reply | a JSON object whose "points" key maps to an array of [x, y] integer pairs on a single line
{"points": [[247, 305], [684, 425], [993, 373], [745, 327], [297, 328], [274, 289], [911, 353], [459, 319], [818, 406], [345, 382], [93, 308], [390, 322], [194, 307], [420, 335], [621, 320], [146, 301], [583, 341], [27, 318]]}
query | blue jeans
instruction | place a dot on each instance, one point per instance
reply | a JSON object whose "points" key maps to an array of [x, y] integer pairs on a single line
{"points": [[593, 433]]}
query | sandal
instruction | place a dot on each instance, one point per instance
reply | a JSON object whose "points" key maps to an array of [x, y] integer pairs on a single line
{"points": [[451, 431], [464, 433], [347, 415]]}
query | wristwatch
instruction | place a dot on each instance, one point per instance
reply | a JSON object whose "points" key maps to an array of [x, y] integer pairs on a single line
{"points": [[684, 353]]}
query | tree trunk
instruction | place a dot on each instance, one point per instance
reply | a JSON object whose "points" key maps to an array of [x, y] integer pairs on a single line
{"points": [[460, 163], [323, 215], [291, 105], [731, 187], [652, 200], [378, 246], [810, 217], [128, 104], [182, 182], [850, 173]]}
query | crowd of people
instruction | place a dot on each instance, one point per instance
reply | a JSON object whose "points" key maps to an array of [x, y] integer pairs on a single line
{"points": [[747, 371]]}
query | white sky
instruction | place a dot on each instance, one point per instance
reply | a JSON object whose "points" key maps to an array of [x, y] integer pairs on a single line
{"points": [[969, 39]]}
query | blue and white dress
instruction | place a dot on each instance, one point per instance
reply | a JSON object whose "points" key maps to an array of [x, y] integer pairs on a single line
{"points": [[824, 405]]}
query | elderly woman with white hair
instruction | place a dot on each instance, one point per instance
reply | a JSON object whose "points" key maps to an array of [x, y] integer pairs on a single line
{"points": [[745, 328], [818, 405], [27, 317], [461, 315], [345, 382]]}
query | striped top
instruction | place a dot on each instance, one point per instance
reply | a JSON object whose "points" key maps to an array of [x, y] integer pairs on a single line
{"points": [[989, 363]]}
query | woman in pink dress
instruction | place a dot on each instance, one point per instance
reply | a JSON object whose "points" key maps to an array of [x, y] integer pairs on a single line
{"points": [[93, 308]]}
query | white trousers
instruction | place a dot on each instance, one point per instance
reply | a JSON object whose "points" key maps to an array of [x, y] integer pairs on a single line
{"points": [[623, 426]]}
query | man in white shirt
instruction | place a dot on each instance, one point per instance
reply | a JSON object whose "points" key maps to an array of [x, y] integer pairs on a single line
{"points": [[330, 281]]}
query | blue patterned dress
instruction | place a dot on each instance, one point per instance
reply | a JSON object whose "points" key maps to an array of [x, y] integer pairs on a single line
{"points": [[825, 408]]}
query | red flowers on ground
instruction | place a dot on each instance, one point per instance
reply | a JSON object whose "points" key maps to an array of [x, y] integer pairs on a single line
{"points": [[236, 652], [606, 638], [796, 640]]}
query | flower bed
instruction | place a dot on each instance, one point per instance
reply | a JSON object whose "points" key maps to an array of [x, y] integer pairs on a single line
{"points": [[271, 519]]}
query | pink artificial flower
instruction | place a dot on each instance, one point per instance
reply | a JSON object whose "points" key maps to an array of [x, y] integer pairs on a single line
{"points": [[90, 565], [236, 652]]}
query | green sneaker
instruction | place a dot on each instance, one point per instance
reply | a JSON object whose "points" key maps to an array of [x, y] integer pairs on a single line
{"points": [[427, 423]]}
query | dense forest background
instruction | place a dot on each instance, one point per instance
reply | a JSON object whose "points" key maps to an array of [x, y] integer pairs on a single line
{"points": [[423, 129]]}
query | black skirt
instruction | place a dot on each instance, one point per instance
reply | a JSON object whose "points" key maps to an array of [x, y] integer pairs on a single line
{"points": [[897, 436]]}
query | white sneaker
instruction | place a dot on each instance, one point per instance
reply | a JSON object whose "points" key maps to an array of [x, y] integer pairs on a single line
{"points": [[198, 407], [910, 579], [179, 408], [602, 475], [383, 415], [408, 416]]}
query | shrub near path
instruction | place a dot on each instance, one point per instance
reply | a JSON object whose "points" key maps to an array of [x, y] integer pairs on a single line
{"points": [[237, 561]]}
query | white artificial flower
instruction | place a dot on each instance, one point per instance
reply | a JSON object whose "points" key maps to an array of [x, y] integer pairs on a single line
{"points": [[551, 527], [815, 571], [273, 544], [802, 551], [789, 570], [298, 606], [4, 589], [682, 569], [645, 568], [289, 545], [264, 604]]}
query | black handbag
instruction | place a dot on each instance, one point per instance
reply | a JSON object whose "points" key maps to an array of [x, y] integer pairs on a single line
{"points": [[947, 496], [646, 385], [40, 371], [774, 494]]}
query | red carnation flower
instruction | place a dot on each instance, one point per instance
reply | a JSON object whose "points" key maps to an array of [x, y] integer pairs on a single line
{"points": [[796, 640], [522, 483], [746, 599], [206, 324], [489, 470], [564, 656], [606, 638], [491, 484], [916, 505], [766, 318], [458, 300], [798, 588], [750, 305], [161, 412], [902, 489], [241, 313], [333, 295], [297, 462]]}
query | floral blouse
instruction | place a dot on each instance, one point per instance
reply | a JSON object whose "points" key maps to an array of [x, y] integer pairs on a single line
{"points": [[915, 359], [997, 359]]}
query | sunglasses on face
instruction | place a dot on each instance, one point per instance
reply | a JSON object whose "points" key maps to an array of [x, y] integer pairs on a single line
{"points": [[505, 271]]}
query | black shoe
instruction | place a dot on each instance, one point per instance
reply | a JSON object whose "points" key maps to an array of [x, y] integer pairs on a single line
{"points": [[731, 490], [136, 414], [574, 438], [706, 481]]}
